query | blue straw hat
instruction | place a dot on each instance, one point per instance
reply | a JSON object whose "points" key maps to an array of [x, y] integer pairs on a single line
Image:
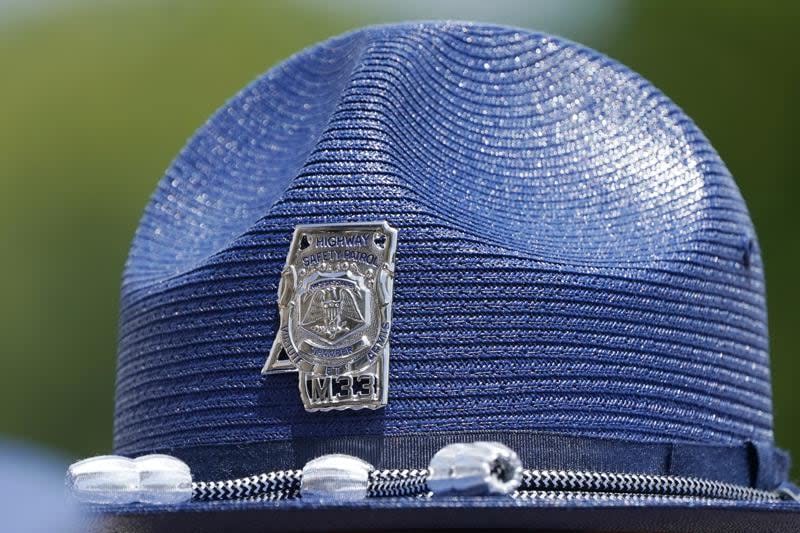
{"points": [[435, 234]]}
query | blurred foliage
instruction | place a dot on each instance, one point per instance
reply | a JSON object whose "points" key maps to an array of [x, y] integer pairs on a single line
{"points": [[96, 100]]}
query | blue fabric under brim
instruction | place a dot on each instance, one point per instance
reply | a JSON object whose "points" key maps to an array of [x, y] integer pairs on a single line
{"points": [[584, 514]]}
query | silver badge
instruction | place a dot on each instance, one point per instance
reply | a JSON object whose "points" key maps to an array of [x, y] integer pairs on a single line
{"points": [[335, 302]]}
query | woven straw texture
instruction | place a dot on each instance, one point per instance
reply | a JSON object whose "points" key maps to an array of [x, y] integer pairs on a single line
{"points": [[573, 256]]}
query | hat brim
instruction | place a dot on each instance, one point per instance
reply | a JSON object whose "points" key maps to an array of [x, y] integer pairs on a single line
{"points": [[609, 514]]}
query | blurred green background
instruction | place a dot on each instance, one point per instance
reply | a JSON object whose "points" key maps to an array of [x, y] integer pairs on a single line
{"points": [[97, 97]]}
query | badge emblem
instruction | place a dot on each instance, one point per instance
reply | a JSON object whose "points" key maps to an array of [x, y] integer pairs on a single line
{"points": [[335, 302]]}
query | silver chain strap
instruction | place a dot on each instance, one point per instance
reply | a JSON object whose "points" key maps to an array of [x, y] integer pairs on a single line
{"points": [[558, 484], [279, 485], [639, 484], [397, 483]]}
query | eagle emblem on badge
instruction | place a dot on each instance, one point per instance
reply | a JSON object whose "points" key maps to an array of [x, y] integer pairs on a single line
{"points": [[335, 303]]}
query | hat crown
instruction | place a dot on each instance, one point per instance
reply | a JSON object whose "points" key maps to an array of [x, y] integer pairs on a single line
{"points": [[573, 256]]}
